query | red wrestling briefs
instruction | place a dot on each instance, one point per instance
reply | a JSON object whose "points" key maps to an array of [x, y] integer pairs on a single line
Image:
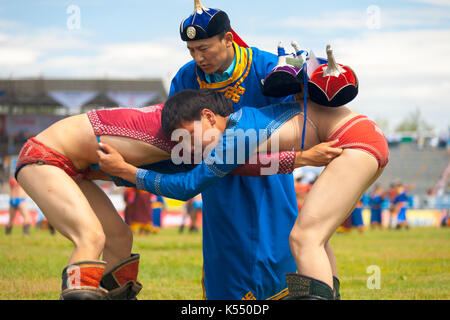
{"points": [[363, 134], [35, 152]]}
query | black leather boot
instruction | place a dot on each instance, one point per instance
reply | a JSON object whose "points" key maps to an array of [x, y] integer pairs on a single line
{"points": [[306, 288], [336, 285]]}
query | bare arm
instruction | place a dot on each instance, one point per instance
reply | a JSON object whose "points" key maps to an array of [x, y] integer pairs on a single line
{"points": [[112, 162], [320, 155], [286, 161]]}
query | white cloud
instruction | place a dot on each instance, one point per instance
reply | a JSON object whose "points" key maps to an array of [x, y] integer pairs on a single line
{"points": [[399, 71], [22, 53], [16, 56], [10, 25], [398, 54], [55, 52], [373, 17], [137, 59]]}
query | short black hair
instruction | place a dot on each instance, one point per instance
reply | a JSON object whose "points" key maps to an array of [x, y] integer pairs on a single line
{"points": [[221, 35], [188, 104]]}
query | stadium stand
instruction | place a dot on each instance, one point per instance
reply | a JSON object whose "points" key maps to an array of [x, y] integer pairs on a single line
{"points": [[21, 96], [27, 106], [424, 168]]}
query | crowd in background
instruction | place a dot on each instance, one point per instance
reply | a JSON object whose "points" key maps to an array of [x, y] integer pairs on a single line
{"points": [[396, 200], [143, 211]]}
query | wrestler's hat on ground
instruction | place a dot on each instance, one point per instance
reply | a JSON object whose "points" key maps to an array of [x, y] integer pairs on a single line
{"points": [[204, 23]]}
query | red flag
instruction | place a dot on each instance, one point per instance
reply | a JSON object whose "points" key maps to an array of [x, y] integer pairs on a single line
{"points": [[238, 39]]}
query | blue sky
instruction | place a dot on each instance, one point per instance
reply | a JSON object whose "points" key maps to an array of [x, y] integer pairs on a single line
{"points": [[399, 49]]}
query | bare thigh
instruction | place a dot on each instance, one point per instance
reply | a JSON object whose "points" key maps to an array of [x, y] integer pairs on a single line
{"points": [[60, 199], [102, 206], [119, 237], [336, 192]]}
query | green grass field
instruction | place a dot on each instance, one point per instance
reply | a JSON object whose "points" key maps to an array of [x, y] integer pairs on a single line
{"points": [[413, 264]]}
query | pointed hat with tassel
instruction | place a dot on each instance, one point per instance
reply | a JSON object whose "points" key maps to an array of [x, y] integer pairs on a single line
{"points": [[333, 84], [204, 23]]}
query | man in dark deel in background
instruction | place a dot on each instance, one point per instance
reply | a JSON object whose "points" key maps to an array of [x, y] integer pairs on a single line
{"points": [[246, 220]]}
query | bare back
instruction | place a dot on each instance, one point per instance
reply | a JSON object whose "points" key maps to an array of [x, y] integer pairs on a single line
{"points": [[321, 123], [74, 138]]}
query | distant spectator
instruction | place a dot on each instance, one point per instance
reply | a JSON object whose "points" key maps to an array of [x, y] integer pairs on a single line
{"points": [[158, 205], [346, 226], [356, 217], [375, 203], [391, 194], [434, 142], [448, 144], [400, 207], [429, 201], [138, 213], [128, 198], [17, 202], [446, 220], [191, 208]]}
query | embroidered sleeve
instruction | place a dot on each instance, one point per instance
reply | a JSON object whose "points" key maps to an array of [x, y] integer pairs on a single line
{"points": [[181, 186], [267, 164], [185, 185]]}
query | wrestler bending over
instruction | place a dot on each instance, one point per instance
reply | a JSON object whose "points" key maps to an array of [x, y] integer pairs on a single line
{"points": [[330, 200], [54, 170]]}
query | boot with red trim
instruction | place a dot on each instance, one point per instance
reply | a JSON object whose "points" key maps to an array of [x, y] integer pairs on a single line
{"points": [[81, 281], [121, 281]]}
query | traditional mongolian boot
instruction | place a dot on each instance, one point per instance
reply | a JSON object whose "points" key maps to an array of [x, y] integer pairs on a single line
{"points": [[121, 281], [305, 288], [336, 285], [81, 280]]}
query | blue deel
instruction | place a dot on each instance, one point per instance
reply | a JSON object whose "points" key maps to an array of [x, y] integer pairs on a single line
{"points": [[246, 220]]}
